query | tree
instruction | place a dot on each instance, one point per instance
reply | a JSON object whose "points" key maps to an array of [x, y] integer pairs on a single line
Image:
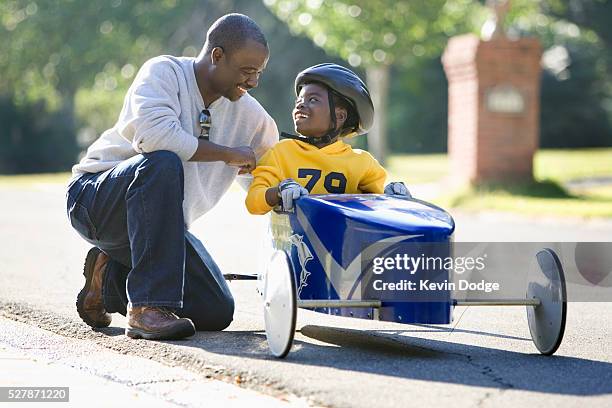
{"points": [[79, 58], [577, 85], [53, 48], [591, 14], [376, 34]]}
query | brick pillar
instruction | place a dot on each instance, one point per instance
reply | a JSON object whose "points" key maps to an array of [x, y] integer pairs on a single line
{"points": [[493, 108]]}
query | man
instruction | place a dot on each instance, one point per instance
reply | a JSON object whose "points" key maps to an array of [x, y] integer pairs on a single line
{"points": [[186, 129]]}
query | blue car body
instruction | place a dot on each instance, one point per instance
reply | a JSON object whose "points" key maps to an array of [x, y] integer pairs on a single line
{"points": [[327, 235]]}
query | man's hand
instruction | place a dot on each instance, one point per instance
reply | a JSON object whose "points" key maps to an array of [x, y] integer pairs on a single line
{"points": [[243, 157], [397, 188], [289, 191]]}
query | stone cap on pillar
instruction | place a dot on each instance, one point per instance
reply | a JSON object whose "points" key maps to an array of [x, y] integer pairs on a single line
{"points": [[464, 54]]}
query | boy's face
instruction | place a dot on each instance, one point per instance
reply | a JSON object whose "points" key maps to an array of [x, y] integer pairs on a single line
{"points": [[311, 113]]}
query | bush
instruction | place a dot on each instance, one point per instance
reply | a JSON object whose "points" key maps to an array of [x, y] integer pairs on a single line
{"points": [[573, 113], [34, 139]]}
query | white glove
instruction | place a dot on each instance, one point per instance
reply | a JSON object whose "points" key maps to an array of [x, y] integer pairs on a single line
{"points": [[288, 191], [397, 188]]}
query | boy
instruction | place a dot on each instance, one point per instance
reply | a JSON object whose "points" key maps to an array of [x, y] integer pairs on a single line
{"points": [[332, 103]]}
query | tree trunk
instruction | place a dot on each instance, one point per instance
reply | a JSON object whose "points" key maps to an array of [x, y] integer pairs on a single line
{"points": [[68, 109], [378, 82]]}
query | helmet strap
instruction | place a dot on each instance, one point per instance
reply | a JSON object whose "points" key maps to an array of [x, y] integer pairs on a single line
{"points": [[327, 138], [315, 141]]}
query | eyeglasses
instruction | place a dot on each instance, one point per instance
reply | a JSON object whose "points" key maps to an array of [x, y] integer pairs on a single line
{"points": [[205, 124]]}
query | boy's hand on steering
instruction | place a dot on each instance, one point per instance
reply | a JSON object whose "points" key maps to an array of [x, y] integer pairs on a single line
{"points": [[290, 190], [397, 188]]}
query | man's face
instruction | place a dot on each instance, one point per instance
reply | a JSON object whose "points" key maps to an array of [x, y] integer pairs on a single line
{"points": [[239, 71], [311, 113]]}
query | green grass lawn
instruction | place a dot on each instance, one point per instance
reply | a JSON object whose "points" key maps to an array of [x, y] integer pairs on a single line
{"points": [[28, 180], [547, 196], [525, 200], [565, 165], [417, 168]]}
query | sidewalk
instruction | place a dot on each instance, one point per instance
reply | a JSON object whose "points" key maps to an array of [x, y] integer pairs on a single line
{"points": [[98, 377], [21, 369]]}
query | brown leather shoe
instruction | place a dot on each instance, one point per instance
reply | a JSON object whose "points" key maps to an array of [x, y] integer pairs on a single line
{"points": [[157, 323], [90, 304]]}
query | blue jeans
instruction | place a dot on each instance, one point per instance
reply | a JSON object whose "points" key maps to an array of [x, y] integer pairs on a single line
{"points": [[134, 213]]}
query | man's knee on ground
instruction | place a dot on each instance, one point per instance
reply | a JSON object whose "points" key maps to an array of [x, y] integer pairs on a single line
{"points": [[216, 319]]}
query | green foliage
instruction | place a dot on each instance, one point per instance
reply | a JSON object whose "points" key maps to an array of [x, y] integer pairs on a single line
{"points": [[418, 108], [288, 56], [97, 111], [576, 89], [591, 14], [575, 111], [33, 139], [66, 42], [573, 103], [80, 57], [71, 62], [53, 49], [371, 32], [97, 58], [410, 35]]}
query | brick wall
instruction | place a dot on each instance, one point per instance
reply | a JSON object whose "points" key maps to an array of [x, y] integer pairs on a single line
{"points": [[492, 141]]}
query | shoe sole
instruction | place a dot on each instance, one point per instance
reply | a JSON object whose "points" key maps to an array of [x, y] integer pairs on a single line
{"points": [[90, 262], [176, 333]]}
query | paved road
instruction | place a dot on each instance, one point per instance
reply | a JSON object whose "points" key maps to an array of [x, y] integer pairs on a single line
{"points": [[487, 359]]}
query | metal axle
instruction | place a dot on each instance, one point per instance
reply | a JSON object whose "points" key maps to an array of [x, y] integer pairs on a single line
{"points": [[338, 303], [498, 302], [311, 304]]}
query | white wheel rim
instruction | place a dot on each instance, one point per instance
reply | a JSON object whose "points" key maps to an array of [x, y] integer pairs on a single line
{"points": [[547, 321], [280, 306]]}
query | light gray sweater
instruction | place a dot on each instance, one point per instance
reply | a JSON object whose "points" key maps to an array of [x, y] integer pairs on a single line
{"points": [[161, 112]]}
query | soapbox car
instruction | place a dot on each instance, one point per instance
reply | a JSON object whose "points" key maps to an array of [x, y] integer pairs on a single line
{"points": [[317, 264]]}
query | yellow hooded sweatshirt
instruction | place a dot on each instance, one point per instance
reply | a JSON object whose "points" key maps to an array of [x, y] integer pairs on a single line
{"points": [[335, 168]]}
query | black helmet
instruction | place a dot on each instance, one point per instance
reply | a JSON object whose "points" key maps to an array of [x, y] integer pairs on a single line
{"points": [[347, 84]]}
